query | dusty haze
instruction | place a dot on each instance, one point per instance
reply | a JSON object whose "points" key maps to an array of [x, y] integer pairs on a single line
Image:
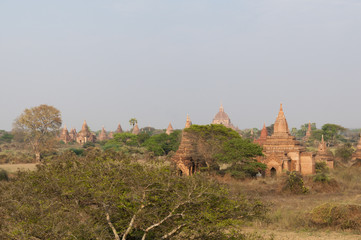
{"points": [[107, 61]]}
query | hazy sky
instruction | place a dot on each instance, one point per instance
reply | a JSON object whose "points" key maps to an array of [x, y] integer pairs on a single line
{"points": [[157, 60]]}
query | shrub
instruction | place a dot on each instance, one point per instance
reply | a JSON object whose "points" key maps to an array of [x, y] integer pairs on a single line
{"points": [[344, 152], [321, 177], [321, 167], [88, 144], [338, 216], [295, 184], [77, 151], [3, 175]]}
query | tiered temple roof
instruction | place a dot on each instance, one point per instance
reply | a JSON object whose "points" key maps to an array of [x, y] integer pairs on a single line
{"points": [[282, 151], [309, 132], [188, 122], [263, 137], [111, 135], [85, 135], [281, 140], [73, 134], [103, 135], [64, 136], [169, 129], [119, 129], [323, 154]]}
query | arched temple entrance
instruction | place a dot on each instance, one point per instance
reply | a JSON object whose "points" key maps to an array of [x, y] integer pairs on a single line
{"points": [[273, 172]]}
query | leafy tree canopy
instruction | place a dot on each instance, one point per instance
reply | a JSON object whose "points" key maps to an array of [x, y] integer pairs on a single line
{"points": [[39, 125], [219, 144], [162, 144]]}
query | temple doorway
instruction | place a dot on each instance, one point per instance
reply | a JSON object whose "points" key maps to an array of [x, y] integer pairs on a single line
{"points": [[273, 172]]}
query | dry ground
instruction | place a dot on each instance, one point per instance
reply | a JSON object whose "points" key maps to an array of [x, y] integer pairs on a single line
{"points": [[289, 213], [12, 168], [290, 235]]}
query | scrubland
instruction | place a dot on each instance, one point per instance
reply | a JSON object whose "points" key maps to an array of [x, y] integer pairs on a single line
{"points": [[328, 210]]}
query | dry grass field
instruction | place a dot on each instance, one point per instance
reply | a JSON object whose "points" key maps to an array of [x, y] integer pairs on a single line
{"points": [[290, 214], [12, 168]]}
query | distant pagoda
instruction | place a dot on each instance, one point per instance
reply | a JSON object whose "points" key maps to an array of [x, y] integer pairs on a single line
{"points": [[119, 129], [188, 122], [223, 118], [64, 136], [136, 130], [85, 135], [169, 129], [262, 139], [102, 135], [324, 155]]}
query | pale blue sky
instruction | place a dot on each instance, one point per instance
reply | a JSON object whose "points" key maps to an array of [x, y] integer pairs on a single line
{"points": [[109, 60]]}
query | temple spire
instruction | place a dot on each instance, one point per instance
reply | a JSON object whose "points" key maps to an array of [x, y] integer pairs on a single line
{"points": [[103, 135], [169, 129], [85, 128], [221, 109], [189, 122], [136, 129], [264, 131], [322, 146], [281, 125], [119, 129]]}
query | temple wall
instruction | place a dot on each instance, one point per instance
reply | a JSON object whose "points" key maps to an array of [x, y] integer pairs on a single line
{"points": [[307, 164], [295, 158], [329, 164]]}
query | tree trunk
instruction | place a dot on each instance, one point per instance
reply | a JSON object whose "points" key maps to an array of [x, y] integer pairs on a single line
{"points": [[37, 156]]}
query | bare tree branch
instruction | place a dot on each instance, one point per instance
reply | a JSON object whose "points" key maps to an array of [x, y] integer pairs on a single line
{"points": [[112, 227], [171, 214], [173, 231], [131, 223]]}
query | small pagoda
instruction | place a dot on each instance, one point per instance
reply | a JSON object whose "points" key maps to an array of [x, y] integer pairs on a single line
{"points": [[103, 135], [169, 129], [64, 136], [85, 135], [324, 155]]}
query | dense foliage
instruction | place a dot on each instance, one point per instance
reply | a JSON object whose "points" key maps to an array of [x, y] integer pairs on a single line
{"points": [[106, 196], [344, 152], [159, 144], [5, 137], [221, 145], [162, 144]]}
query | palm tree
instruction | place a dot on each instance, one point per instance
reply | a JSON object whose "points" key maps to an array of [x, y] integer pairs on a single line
{"points": [[133, 121]]}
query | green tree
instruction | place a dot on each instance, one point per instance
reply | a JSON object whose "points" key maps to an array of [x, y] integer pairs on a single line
{"points": [[40, 125], [332, 133], [344, 152], [5, 137], [218, 144], [162, 144], [300, 133]]}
